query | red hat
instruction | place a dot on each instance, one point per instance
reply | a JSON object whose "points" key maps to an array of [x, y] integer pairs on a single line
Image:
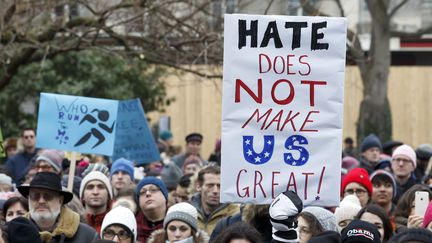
{"points": [[360, 176]]}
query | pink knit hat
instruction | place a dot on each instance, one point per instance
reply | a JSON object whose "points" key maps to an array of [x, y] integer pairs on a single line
{"points": [[406, 151]]}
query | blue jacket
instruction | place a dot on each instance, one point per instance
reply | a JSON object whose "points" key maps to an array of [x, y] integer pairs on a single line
{"points": [[19, 164]]}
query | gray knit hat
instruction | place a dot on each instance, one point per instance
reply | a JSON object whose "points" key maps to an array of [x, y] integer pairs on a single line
{"points": [[184, 212], [324, 216]]}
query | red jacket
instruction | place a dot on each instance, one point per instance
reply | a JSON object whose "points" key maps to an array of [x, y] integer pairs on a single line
{"points": [[145, 227]]}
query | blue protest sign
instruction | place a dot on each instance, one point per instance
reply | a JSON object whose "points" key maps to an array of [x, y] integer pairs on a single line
{"points": [[134, 140], [76, 123]]}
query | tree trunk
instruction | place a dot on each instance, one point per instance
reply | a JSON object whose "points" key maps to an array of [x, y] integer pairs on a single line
{"points": [[375, 114]]}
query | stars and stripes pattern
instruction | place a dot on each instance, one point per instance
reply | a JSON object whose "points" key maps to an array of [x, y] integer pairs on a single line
{"points": [[258, 158], [290, 145]]}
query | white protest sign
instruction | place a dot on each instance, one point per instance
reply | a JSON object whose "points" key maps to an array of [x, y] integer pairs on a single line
{"points": [[282, 108]]}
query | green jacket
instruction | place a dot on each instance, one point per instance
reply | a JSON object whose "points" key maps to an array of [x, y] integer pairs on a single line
{"points": [[209, 223]]}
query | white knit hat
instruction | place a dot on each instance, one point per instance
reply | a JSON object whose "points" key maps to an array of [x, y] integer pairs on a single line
{"points": [[184, 212], [95, 175], [5, 179], [123, 216], [348, 208]]}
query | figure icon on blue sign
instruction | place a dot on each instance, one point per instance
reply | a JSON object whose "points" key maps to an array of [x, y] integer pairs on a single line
{"points": [[102, 116]]}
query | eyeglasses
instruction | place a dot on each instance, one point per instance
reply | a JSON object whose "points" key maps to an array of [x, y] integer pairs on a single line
{"points": [[356, 191], [35, 196], [110, 234], [404, 161], [28, 136], [151, 190]]}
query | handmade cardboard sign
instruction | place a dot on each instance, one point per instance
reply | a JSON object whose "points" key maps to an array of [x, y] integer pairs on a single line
{"points": [[134, 141], [282, 108], [75, 123]]}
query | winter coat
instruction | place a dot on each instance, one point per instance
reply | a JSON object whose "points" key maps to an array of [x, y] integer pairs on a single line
{"points": [[146, 228], [209, 223], [256, 215], [69, 229], [158, 236]]}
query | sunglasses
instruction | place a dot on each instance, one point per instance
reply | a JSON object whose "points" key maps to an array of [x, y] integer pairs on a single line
{"points": [[29, 136], [36, 196]]}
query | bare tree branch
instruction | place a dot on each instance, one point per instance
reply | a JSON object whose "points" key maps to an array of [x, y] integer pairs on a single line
{"points": [[268, 7], [340, 7], [397, 7]]}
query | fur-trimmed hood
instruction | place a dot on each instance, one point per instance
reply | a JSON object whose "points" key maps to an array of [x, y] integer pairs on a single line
{"points": [[158, 236]]}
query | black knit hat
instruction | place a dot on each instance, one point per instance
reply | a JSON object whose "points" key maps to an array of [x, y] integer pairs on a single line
{"points": [[22, 230], [416, 234], [359, 231], [49, 181], [371, 141], [327, 236]]}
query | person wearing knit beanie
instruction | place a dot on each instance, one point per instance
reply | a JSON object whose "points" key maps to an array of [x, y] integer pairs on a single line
{"points": [[22, 230], [359, 231], [347, 210], [357, 182], [96, 167], [326, 237], [384, 189], [184, 212], [96, 194], [326, 218], [180, 225], [50, 161], [404, 162], [283, 216], [121, 174], [152, 198], [414, 235], [5, 183], [191, 165], [117, 220], [370, 152]]}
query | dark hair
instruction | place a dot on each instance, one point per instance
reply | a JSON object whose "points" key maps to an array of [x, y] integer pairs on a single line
{"points": [[348, 140], [11, 201], [315, 226], [239, 230], [185, 180], [212, 169], [403, 207], [27, 129], [378, 211]]}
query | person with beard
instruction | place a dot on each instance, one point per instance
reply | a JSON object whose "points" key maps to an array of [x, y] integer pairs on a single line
{"points": [[56, 222], [96, 195], [207, 199]]}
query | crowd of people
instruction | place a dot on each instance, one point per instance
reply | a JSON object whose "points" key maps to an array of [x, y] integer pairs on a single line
{"points": [[177, 199]]}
